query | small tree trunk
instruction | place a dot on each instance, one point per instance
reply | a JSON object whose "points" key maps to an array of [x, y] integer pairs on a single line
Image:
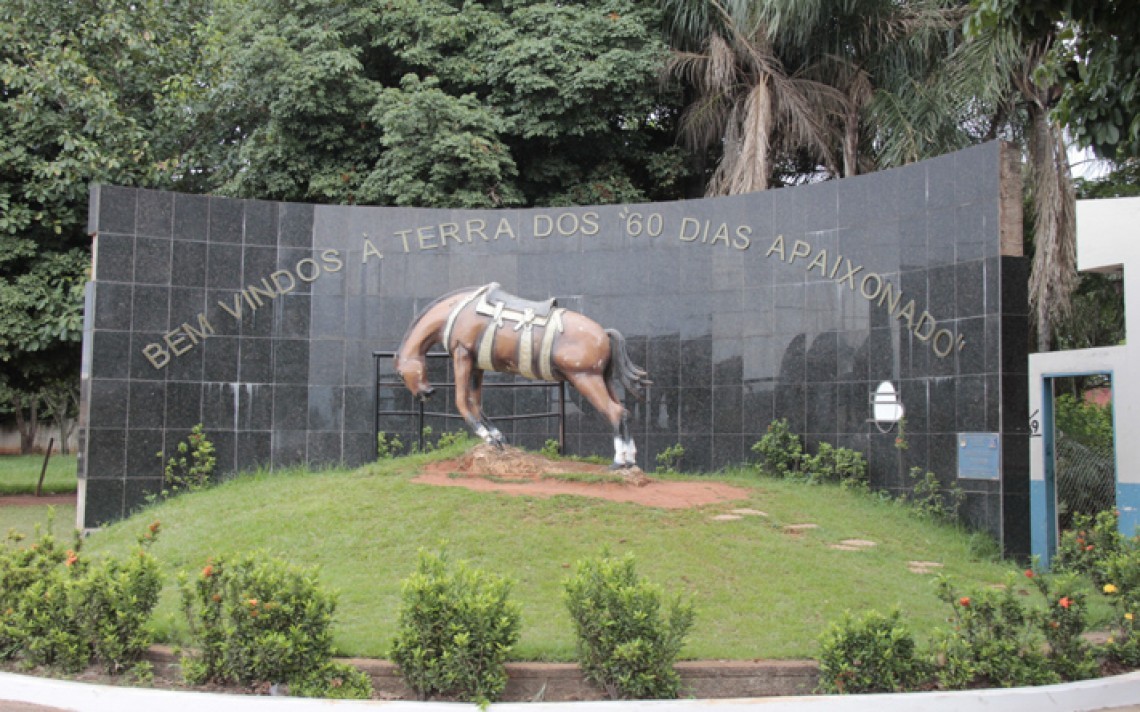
{"points": [[27, 425]]}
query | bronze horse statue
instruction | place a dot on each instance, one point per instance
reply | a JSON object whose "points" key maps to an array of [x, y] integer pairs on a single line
{"points": [[487, 329]]}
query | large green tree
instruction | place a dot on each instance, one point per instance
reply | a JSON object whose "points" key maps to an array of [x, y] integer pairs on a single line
{"points": [[80, 101], [440, 103]]}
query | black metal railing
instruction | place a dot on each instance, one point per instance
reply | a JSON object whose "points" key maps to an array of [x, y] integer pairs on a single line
{"points": [[420, 412]]}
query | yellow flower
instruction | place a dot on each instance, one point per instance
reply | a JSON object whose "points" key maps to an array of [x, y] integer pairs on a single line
{"points": [[1127, 616], [1109, 588]]}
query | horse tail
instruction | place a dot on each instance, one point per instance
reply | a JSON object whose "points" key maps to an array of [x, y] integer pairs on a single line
{"points": [[621, 369]]}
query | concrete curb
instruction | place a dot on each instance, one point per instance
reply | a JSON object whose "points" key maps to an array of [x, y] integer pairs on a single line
{"points": [[1122, 691]]}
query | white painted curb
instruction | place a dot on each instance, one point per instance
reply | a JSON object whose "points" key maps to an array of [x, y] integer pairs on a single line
{"points": [[1104, 693]]}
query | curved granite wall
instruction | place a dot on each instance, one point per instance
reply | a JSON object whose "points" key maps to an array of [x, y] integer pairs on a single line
{"points": [[259, 319]]}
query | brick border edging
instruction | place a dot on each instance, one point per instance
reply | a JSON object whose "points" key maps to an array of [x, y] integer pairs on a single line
{"points": [[564, 682]]}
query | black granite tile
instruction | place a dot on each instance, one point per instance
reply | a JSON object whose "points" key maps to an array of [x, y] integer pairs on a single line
{"points": [[696, 363], [261, 225], [728, 451], [1015, 344], [822, 358], [152, 258], [296, 223], [944, 455], [972, 358], [155, 213], [328, 317], [1014, 285], [106, 453], [253, 451], [223, 268], [698, 452], [970, 284], [293, 315], [790, 403], [183, 405], [258, 265], [326, 362], [144, 448], [146, 405], [290, 408], [188, 264], [882, 355], [103, 502], [191, 217], [1015, 403], [291, 361], [941, 236], [136, 490], [324, 449], [1016, 525], [148, 356], [227, 218], [914, 395], [326, 408], [255, 360], [110, 354], [943, 408], [971, 406], [112, 306], [261, 322], [793, 359], [151, 309], [728, 409], [359, 449], [821, 403], [117, 207], [220, 360], [109, 403], [114, 258]]}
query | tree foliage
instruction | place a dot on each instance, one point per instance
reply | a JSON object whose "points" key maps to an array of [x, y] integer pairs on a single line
{"points": [[81, 100], [440, 103]]}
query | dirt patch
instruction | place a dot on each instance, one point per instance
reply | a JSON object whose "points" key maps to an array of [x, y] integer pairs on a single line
{"points": [[516, 472], [30, 500]]}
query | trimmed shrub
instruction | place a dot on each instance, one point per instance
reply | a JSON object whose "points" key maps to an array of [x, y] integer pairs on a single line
{"points": [[780, 449], [255, 618], [836, 464], [456, 627], [59, 609], [1089, 545], [626, 643], [994, 642], [871, 653], [333, 680]]}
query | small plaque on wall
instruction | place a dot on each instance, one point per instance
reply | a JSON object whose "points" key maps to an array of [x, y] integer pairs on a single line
{"points": [[979, 456]]}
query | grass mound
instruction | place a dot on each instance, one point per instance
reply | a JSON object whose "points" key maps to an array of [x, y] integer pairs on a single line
{"points": [[763, 587]]}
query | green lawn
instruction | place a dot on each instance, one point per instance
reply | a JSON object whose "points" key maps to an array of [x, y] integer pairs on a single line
{"points": [[20, 473], [24, 519], [759, 591]]}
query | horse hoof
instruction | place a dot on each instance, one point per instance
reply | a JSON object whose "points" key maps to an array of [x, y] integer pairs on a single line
{"points": [[615, 466]]}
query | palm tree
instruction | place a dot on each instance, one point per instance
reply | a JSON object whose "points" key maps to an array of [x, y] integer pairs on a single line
{"points": [[747, 102], [1000, 70]]}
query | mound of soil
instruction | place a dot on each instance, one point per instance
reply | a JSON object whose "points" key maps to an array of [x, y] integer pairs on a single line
{"points": [[516, 472]]}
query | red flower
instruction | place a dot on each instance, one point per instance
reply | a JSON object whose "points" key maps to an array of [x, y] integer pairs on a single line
{"points": [[154, 526], [964, 601], [208, 571], [1029, 573], [72, 557], [1089, 547], [1065, 602]]}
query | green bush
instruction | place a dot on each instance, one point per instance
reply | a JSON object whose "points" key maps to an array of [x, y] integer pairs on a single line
{"points": [[456, 626], [1064, 622], [333, 680], [994, 641], [1089, 545], [780, 449], [669, 459], [836, 464], [388, 446], [1087, 423], [1120, 572], [193, 465], [930, 500], [872, 653], [59, 609], [255, 618], [626, 643]]}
